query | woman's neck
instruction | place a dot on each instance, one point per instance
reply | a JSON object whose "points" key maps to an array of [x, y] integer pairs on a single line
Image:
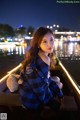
{"points": [[44, 56]]}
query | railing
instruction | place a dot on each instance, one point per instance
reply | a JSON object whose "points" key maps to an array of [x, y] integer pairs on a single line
{"points": [[12, 71], [75, 87]]}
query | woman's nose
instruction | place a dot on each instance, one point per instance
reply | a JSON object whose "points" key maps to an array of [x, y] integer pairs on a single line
{"points": [[49, 44]]}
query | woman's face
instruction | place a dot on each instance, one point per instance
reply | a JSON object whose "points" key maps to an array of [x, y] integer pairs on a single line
{"points": [[47, 43]]}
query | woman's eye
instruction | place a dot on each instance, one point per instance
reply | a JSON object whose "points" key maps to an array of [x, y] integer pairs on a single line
{"points": [[45, 41]]}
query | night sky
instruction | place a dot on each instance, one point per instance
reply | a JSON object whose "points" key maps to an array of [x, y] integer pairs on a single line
{"points": [[40, 13]]}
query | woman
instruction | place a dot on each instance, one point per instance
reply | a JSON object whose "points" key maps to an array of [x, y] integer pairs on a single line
{"points": [[38, 87]]}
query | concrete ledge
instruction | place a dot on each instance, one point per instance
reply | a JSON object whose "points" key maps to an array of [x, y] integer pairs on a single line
{"points": [[69, 104], [9, 99]]}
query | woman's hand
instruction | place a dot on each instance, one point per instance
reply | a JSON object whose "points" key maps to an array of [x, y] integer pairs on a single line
{"points": [[57, 80]]}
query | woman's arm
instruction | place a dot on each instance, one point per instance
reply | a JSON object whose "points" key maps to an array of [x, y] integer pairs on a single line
{"points": [[55, 88]]}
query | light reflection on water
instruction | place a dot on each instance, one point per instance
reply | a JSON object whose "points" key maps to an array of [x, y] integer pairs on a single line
{"points": [[67, 49], [61, 49], [12, 49]]}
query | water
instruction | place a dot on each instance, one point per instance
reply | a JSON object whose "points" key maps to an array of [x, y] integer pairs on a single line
{"points": [[9, 49], [62, 49], [67, 49]]}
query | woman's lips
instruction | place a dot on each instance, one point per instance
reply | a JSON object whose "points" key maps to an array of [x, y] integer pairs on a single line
{"points": [[49, 48]]}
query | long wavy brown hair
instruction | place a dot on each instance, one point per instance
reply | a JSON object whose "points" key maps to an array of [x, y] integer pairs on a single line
{"points": [[34, 45]]}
